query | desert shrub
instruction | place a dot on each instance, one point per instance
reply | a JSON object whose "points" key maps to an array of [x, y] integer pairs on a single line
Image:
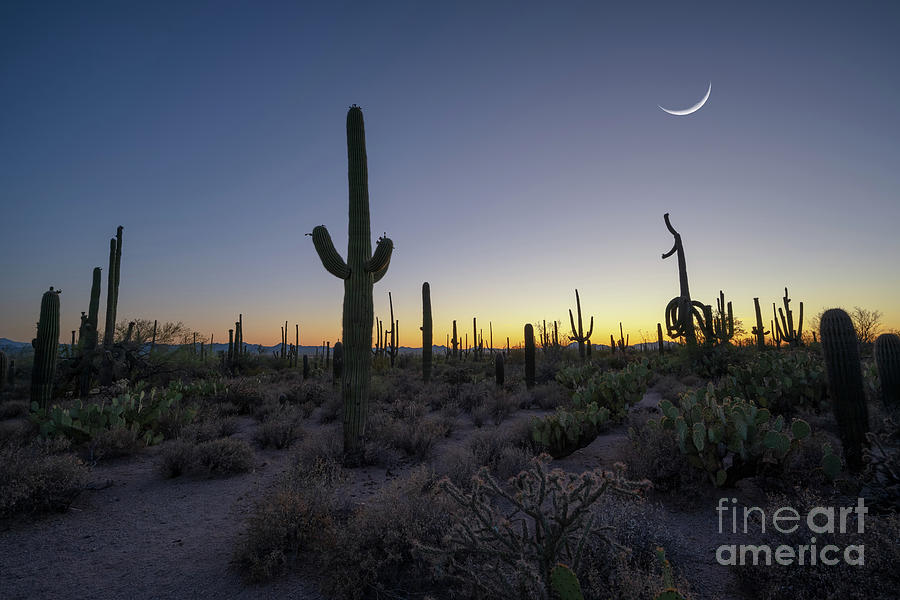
{"points": [[669, 387], [881, 479], [245, 394], [500, 405], [211, 428], [326, 443], [623, 563], [17, 432], [177, 458], [472, 396], [280, 430], [505, 543], [13, 410], [415, 435], [548, 396], [226, 456], [877, 579], [34, 479], [332, 409], [459, 464], [114, 443], [373, 554]]}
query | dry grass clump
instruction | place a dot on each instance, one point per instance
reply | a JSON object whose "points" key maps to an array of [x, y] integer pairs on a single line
{"points": [[210, 428], [504, 450], [115, 443], [373, 554], [219, 457], [36, 479], [280, 430]]}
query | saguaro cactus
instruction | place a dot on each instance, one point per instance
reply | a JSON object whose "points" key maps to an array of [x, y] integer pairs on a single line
{"points": [[786, 329], [680, 311], [759, 330], [427, 340], [887, 360], [845, 382], [361, 270], [529, 356], [112, 288], [46, 349], [455, 342], [88, 338], [499, 373], [579, 335]]}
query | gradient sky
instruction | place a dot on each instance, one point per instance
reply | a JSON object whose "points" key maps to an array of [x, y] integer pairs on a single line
{"points": [[516, 152]]}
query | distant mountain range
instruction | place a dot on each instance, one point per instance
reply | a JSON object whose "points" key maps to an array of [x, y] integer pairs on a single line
{"points": [[8, 345]]}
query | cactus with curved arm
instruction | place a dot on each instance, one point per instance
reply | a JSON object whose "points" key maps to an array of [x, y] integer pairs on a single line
{"points": [[359, 272], [681, 311], [759, 330]]}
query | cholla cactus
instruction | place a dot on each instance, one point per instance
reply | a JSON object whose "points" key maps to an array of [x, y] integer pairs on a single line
{"points": [[513, 554]]}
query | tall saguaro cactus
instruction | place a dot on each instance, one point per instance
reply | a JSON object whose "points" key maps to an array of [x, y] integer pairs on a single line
{"points": [[759, 330], [427, 340], [360, 271], [46, 349], [887, 360], [845, 383], [112, 288], [579, 335], [529, 356], [88, 337]]}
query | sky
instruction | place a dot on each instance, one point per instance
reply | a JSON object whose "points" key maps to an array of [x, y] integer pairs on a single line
{"points": [[516, 152]]}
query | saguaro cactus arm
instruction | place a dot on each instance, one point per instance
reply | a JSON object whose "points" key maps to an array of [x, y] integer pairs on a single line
{"points": [[381, 258], [329, 256]]}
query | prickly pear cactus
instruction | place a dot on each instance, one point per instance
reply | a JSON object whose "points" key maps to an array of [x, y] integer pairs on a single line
{"points": [[360, 271], [564, 583], [46, 349]]}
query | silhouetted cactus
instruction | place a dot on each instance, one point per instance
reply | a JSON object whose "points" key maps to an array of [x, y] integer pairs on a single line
{"points": [[786, 329], [455, 342], [46, 348], [722, 328], [887, 360], [337, 362], [361, 270], [88, 338], [112, 288], [681, 310], [759, 330], [578, 335], [529, 356], [845, 383], [427, 340], [305, 367], [659, 337], [499, 373]]}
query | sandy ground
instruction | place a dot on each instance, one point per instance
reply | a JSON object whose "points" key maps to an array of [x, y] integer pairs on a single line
{"points": [[144, 536]]}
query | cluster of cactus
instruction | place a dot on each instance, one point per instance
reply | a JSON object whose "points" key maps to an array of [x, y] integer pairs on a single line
{"points": [[719, 328], [578, 335], [623, 341], [615, 391], [575, 375], [784, 330], [887, 360], [46, 350], [139, 412], [568, 430], [729, 439], [840, 347], [361, 270], [778, 381]]}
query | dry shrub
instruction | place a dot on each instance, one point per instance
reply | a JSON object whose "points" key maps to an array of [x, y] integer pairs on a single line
{"points": [[373, 554], [326, 443], [177, 458], [332, 409], [13, 410], [280, 429], [226, 456], [296, 517], [208, 429], [114, 443], [34, 479]]}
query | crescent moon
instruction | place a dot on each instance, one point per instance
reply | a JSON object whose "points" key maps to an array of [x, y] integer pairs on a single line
{"points": [[692, 109]]}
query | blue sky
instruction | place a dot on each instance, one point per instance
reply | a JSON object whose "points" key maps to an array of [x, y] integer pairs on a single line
{"points": [[516, 152]]}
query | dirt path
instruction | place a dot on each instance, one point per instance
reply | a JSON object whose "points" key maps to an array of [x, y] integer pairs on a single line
{"points": [[144, 537]]}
